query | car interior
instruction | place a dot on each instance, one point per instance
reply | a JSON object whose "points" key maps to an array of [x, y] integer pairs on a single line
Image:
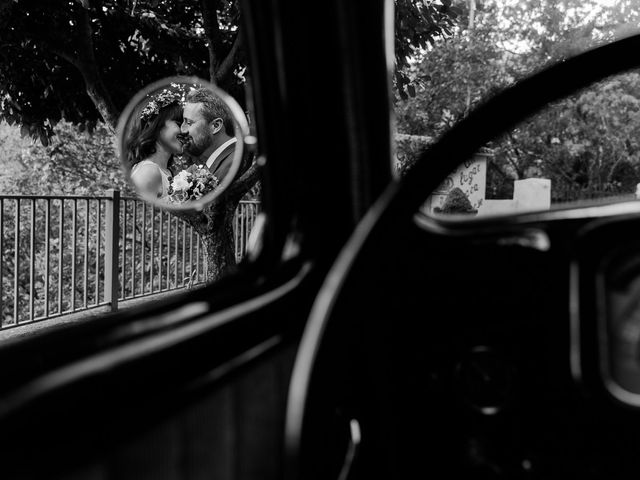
{"points": [[364, 337]]}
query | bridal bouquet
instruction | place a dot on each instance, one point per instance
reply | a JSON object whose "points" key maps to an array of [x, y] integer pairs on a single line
{"points": [[191, 184]]}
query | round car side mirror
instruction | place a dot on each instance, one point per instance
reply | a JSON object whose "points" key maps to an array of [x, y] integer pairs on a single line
{"points": [[182, 142]]}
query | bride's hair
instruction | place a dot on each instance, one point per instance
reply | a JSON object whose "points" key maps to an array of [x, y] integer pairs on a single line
{"points": [[142, 138]]}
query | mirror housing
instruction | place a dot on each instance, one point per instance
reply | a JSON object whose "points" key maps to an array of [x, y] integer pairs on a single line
{"points": [[182, 141]]}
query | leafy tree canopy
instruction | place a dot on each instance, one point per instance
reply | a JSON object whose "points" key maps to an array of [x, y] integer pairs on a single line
{"points": [[500, 43], [417, 26], [585, 144], [83, 60], [74, 163]]}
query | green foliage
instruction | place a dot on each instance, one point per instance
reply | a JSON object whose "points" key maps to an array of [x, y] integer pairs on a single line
{"points": [[587, 144], [456, 75], [408, 149], [82, 61], [456, 202], [74, 163], [58, 55], [417, 25], [507, 41]]}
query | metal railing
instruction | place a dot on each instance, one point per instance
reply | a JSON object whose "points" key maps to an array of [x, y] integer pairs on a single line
{"points": [[60, 255]]}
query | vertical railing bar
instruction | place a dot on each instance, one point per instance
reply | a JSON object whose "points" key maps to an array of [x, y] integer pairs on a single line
{"points": [[153, 244], [191, 254], [112, 223], [86, 253], [133, 248], [184, 248], [250, 226], [47, 248], [16, 262], [160, 238], [74, 243], [243, 245], [243, 230], [32, 257], [198, 256], [247, 227], [175, 252], [98, 228], [205, 266], [168, 251], [123, 283], [236, 232], [143, 246], [253, 219], [1, 262], [236, 219], [247, 231], [60, 249]]}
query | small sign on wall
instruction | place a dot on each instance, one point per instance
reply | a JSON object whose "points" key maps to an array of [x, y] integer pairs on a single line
{"points": [[470, 177]]}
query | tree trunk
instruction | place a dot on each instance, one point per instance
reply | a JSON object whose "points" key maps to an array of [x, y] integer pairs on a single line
{"points": [[88, 66], [219, 242], [212, 31], [102, 101], [215, 227], [219, 68]]}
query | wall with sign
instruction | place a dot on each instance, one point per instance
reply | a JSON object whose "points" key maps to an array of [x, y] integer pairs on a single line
{"points": [[470, 177]]}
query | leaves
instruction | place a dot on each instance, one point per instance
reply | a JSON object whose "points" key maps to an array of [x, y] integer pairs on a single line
{"points": [[585, 144], [70, 162], [41, 77], [417, 24]]}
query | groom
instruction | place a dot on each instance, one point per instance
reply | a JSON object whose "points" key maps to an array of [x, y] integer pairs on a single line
{"points": [[208, 130]]}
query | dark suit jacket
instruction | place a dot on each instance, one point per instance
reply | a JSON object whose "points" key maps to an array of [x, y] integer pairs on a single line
{"points": [[221, 165]]}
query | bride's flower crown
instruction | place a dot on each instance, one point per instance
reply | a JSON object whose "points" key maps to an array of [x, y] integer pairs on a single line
{"points": [[161, 100]]}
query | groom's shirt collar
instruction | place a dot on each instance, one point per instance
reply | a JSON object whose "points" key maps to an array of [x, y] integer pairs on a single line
{"points": [[216, 153]]}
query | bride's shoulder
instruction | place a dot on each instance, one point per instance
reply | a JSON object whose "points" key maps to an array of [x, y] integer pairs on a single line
{"points": [[144, 166], [145, 170], [145, 163]]}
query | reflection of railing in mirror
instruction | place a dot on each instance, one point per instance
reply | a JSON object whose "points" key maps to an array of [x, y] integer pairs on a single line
{"points": [[66, 247]]}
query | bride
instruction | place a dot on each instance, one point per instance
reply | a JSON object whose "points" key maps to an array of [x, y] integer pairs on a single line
{"points": [[154, 139]]}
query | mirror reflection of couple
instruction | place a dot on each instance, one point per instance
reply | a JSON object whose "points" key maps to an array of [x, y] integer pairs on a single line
{"points": [[201, 127]]}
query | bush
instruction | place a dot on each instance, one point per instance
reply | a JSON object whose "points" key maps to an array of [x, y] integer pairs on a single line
{"points": [[456, 202]]}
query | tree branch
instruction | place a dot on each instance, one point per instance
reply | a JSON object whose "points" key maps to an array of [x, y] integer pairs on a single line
{"points": [[212, 31], [66, 56], [512, 143], [226, 67], [88, 67], [496, 168]]}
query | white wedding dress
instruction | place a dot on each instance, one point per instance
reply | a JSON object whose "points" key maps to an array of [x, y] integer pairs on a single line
{"points": [[165, 175]]}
